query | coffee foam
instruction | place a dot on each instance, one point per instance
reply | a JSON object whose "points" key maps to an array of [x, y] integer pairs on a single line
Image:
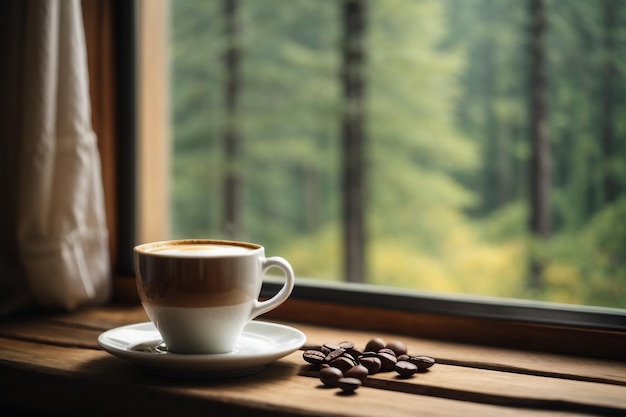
{"points": [[194, 250]]}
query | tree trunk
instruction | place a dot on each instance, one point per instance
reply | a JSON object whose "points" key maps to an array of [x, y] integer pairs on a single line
{"points": [[353, 139], [231, 139], [312, 199], [610, 186], [540, 162]]}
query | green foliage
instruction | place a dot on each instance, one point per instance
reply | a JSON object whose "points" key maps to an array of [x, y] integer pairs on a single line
{"points": [[588, 266], [447, 154], [414, 146]]}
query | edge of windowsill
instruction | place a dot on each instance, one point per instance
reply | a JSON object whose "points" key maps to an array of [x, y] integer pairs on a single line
{"points": [[463, 305]]}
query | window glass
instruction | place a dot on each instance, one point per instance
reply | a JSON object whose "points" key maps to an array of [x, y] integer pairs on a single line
{"points": [[494, 137]]}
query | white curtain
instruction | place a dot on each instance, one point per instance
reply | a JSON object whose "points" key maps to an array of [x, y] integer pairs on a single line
{"points": [[55, 240]]}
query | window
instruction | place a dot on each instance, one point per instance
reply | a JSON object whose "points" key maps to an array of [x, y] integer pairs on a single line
{"points": [[448, 132]]}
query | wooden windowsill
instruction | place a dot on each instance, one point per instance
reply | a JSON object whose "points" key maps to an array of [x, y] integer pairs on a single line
{"points": [[52, 364]]}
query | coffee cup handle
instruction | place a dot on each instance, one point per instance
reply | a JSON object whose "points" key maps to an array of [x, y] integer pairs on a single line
{"points": [[281, 296]]}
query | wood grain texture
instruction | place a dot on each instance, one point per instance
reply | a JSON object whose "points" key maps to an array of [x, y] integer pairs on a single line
{"points": [[72, 382], [488, 358], [154, 136], [56, 359], [101, 60], [487, 332]]}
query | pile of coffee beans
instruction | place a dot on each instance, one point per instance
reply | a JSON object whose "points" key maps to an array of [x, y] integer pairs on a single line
{"points": [[346, 366]]}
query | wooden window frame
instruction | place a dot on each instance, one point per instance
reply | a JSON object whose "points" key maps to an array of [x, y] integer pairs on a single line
{"points": [[126, 107]]}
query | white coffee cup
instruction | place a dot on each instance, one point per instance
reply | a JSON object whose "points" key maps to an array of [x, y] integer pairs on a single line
{"points": [[201, 293]]}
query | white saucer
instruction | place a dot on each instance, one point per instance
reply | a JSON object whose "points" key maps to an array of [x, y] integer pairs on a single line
{"points": [[260, 344]]}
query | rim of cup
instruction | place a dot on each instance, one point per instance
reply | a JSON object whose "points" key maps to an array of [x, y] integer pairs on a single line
{"points": [[149, 248]]}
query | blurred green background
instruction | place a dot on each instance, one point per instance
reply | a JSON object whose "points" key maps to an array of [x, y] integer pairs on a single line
{"points": [[447, 141]]}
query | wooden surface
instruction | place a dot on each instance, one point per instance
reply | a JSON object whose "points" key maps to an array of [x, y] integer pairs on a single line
{"points": [[485, 331], [52, 365], [154, 146], [101, 62]]}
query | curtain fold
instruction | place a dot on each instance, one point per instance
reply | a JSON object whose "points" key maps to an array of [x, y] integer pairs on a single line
{"points": [[60, 227]]}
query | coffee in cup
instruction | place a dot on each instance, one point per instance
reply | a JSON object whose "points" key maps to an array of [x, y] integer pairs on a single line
{"points": [[201, 293]]}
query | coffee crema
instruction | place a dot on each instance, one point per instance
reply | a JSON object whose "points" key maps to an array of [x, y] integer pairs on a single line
{"points": [[201, 250]]}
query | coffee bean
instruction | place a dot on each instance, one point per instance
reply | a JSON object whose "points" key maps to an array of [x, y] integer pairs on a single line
{"points": [[398, 347], [355, 352], [314, 357], [359, 372], [342, 363], [422, 362], [347, 355], [329, 347], [371, 363], [311, 347], [347, 345], [346, 366], [387, 351], [375, 345], [329, 376], [405, 369], [334, 354], [348, 384], [387, 361]]}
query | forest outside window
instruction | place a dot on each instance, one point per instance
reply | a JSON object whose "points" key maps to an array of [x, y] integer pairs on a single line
{"points": [[454, 146]]}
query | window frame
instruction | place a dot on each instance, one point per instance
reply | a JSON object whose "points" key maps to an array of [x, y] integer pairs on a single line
{"points": [[461, 305], [127, 105], [584, 330]]}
